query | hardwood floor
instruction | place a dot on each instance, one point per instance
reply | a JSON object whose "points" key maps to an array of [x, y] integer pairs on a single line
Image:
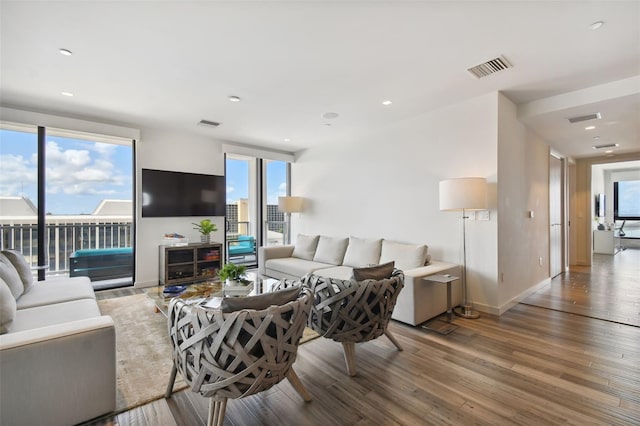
{"points": [[608, 290], [530, 366]]}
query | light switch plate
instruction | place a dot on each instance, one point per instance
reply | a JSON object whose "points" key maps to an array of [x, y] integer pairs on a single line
{"points": [[482, 215]]}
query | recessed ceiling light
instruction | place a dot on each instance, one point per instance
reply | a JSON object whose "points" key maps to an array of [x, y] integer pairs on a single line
{"points": [[67, 93], [387, 103], [608, 151], [234, 98], [330, 115], [590, 127], [65, 52], [287, 140], [596, 25]]}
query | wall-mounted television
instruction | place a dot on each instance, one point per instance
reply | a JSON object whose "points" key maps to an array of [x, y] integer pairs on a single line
{"points": [[626, 200], [177, 194]]}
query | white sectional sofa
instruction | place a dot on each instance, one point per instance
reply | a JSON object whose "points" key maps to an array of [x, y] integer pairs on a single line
{"points": [[336, 257], [57, 352]]}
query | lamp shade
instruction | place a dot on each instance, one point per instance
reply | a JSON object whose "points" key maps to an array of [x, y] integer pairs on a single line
{"points": [[469, 193], [290, 204]]}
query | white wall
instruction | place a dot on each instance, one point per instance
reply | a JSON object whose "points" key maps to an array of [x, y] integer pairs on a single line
{"points": [[385, 184], [523, 186], [163, 150]]}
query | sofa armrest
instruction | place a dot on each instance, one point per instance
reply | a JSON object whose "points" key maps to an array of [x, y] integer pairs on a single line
{"points": [[272, 252], [74, 361], [433, 267]]}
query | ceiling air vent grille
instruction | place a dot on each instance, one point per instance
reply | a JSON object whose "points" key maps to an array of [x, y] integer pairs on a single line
{"points": [[490, 67], [610, 145], [208, 123], [594, 116]]}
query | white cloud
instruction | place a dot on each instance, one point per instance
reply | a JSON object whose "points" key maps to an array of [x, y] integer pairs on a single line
{"points": [[17, 173], [230, 189]]}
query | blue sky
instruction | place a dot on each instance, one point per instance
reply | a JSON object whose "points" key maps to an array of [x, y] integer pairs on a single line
{"points": [[81, 173]]}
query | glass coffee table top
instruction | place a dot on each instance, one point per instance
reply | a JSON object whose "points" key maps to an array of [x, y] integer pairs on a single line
{"points": [[209, 293]]}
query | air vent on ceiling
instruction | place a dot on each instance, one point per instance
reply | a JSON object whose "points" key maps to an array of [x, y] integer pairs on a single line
{"points": [[594, 116], [490, 67], [208, 123], [609, 145]]}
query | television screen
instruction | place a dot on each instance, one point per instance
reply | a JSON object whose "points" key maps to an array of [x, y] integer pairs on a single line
{"points": [[626, 200], [176, 194]]}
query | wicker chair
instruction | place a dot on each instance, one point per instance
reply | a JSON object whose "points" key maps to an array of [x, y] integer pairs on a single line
{"points": [[351, 312], [237, 354]]}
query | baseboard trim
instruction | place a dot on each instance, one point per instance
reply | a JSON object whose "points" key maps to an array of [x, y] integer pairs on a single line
{"points": [[499, 310]]}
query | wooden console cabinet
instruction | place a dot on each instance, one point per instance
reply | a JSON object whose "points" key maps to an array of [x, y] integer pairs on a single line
{"points": [[190, 263]]}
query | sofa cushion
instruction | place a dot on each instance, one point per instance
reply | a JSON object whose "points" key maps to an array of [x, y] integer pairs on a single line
{"points": [[7, 307], [10, 276], [342, 272], [57, 313], [362, 252], [330, 250], [406, 256], [305, 246], [261, 301], [24, 269], [293, 266], [378, 272], [57, 290]]}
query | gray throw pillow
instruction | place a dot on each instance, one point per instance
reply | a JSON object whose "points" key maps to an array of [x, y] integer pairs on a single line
{"points": [[10, 276], [261, 301], [378, 272], [22, 267], [7, 307]]}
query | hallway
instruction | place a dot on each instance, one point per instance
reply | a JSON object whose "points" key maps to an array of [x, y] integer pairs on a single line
{"points": [[607, 290]]}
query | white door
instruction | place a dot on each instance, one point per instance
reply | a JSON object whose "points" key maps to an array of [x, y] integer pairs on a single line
{"points": [[555, 216]]}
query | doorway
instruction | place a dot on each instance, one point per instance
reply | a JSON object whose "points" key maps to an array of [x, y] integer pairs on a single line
{"points": [[556, 214]]}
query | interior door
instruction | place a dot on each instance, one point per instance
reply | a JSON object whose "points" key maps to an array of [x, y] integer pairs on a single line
{"points": [[555, 216]]}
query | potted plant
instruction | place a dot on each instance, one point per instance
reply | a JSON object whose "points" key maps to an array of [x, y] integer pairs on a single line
{"points": [[205, 227], [232, 274]]}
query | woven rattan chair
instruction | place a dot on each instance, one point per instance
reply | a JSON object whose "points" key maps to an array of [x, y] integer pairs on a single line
{"points": [[351, 311], [237, 354]]}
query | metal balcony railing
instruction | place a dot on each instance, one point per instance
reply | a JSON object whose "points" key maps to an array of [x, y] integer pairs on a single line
{"points": [[63, 239]]}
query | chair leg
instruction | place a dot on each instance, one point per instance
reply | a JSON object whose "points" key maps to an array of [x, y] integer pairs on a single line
{"points": [[350, 357], [216, 412], [297, 385], [393, 339], [172, 380]]}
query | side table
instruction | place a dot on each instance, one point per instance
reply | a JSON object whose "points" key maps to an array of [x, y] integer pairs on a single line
{"points": [[438, 325]]}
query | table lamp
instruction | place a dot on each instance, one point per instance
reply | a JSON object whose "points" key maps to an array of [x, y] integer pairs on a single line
{"points": [[289, 205]]}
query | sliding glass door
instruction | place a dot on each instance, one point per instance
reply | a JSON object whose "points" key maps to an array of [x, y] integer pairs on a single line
{"points": [[253, 218], [81, 200]]}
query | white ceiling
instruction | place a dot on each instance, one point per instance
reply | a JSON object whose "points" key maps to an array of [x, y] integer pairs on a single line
{"points": [[169, 64]]}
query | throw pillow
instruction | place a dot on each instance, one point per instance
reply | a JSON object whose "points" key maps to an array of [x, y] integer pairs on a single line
{"points": [[406, 256], [378, 272], [7, 307], [10, 276], [20, 263], [305, 246], [361, 252], [261, 301], [330, 250]]}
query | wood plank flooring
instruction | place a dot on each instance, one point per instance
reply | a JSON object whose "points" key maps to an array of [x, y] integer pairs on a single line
{"points": [[608, 290], [530, 366]]}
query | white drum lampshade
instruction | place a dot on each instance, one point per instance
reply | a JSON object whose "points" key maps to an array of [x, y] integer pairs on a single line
{"points": [[290, 204], [469, 193]]}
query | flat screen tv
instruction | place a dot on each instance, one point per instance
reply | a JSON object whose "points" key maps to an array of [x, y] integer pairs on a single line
{"points": [[626, 200], [177, 194]]}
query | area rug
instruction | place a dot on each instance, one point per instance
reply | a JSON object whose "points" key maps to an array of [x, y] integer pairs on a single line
{"points": [[143, 350]]}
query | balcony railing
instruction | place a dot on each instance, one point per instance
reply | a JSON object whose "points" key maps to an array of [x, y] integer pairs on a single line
{"points": [[63, 239]]}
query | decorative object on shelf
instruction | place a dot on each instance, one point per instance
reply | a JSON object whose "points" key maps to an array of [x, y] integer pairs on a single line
{"points": [[175, 239], [463, 194], [233, 275], [289, 205], [205, 227]]}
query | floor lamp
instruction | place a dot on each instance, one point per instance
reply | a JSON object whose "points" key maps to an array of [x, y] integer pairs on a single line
{"points": [[289, 205], [464, 194]]}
